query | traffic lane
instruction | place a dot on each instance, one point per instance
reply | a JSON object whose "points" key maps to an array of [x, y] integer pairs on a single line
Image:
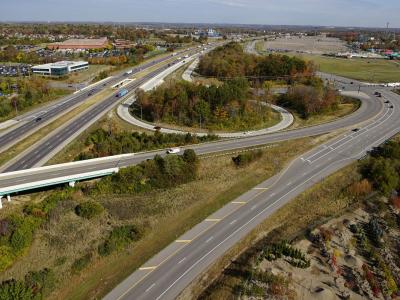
{"points": [[8, 138], [46, 146], [165, 283], [251, 141], [156, 285]]}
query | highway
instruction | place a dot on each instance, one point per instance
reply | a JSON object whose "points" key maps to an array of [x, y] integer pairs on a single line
{"points": [[29, 122], [203, 245], [167, 274], [47, 147]]}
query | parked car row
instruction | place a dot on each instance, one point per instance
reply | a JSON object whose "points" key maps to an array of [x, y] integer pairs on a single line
{"points": [[15, 70]]}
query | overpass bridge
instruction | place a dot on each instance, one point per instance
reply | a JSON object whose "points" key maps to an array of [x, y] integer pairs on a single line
{"points": [[12, 183]]}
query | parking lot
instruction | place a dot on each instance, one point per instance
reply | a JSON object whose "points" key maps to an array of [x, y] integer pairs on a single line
{"points": [[14, 70]]}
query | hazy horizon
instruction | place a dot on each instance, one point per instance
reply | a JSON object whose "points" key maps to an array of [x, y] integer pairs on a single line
{"points": [[339, 13]]}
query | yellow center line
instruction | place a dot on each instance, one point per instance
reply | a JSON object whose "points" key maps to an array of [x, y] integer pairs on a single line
{"points": [[183, 241], [212, 220], [239, 202]]}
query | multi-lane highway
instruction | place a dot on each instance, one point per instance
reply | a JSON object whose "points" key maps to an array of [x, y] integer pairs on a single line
{"points": [[371, 106], [47, 147], [168, 274], [377, 120], [33, 121]]}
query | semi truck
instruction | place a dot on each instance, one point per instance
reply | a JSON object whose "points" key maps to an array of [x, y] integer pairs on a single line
{"points": [[121, 93]]}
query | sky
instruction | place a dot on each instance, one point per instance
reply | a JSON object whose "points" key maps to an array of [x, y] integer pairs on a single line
{"points": [[364, 13]]}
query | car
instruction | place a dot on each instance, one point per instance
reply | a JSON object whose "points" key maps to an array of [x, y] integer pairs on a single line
{"points": [[387, 101], [173, 150], [355, 129], [351, 82], [157, 127], [38, 119], [391, 106]]}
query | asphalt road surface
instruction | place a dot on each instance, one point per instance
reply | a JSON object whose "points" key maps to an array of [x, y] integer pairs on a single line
{"points": [[32, 121], [371, 106], [48, 146], [167, 279], [379, 121]]}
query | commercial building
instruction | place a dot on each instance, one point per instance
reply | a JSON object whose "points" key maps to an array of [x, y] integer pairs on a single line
{"points": [[60, 68], [80, 44], [120, 44]]}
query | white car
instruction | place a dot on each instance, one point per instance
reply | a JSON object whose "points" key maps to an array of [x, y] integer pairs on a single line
{"points": [[173, 150]]}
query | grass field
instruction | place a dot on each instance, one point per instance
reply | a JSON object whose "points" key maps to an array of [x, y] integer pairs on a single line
{"points": [[315, 206], [168, 214], [368, 70], [164, 213]]}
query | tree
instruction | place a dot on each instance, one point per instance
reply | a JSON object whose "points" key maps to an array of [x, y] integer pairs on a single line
{"points": [[382, 174]]}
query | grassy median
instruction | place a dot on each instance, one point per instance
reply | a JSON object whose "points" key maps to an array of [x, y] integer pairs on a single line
{"points": [[165, 214]]}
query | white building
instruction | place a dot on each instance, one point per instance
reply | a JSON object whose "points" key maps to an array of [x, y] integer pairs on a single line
{"points": [[60, 68]]}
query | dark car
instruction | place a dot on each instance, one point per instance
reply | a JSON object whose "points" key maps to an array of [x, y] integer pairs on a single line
{"points": [[355, 129], [38, 119], [387, 101], [391, 106], [351, 82], [157, 127]]}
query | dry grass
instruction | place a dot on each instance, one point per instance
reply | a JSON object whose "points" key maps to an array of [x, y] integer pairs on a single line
{"points": [[323, 201], [165, 213]]}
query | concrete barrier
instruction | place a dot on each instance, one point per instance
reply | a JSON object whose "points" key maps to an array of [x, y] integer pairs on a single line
{"points": [[71, 179], [66, 165]]}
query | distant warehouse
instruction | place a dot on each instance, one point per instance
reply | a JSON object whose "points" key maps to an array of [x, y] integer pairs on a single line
{"points": [[60, 68], [80, 44]]}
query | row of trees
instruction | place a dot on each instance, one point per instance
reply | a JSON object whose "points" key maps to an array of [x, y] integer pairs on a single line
{"points": [[310, 100], [157, 173], [231, 61], [24, 93], [213, 107], [104, 143]]}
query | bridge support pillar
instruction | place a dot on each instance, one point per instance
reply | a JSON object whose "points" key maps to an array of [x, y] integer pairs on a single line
{"points": [[71, 183], [8, 198]]}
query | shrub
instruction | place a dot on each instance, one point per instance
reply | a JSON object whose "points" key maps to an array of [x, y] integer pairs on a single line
{"points": [[89, 209], [360, 188], [15, 290], [6, 257], [119, 238], [246, 158], [396, 202], [41, 282], [81, 263]]}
